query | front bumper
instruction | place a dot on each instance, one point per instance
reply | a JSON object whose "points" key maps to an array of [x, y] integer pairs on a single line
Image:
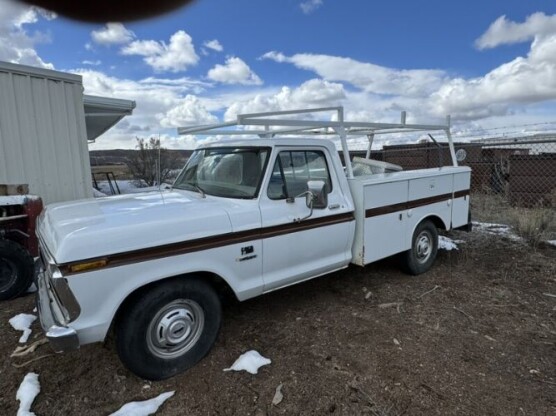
{"points": [[62, 338]]}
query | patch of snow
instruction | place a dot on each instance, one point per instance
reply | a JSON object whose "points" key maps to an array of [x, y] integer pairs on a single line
{"points": [[445, 243], [98, 194], [145, 407], [250, 361], [26, 393], [22, 322], [502, 230], [126, 187], [13, 199], [552, 242], [144, 189]]}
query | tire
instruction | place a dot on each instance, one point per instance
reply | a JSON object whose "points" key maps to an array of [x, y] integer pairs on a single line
{"points": [[17, 269], [166, 329], [424, 247]]}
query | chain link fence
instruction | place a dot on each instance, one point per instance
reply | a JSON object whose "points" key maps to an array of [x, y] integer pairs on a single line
{"points": [[520, 170], [513, 180]]}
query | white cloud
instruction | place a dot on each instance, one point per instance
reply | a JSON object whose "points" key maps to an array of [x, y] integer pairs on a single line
{"points": [[235, 71], [214, 45], [16, 45], [432, 93], [143, 48], [112, 34], [31, 15], [523, 80], [312, 93], [152, 95], [189, 111], [369, 77], [128, 141], [93, 63], [369, 92], [309, 6], [184, 83], [317, 91], [505, 32], [176, 56], [161, 105]]}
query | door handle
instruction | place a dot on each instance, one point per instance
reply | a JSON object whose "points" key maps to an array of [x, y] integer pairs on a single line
{"points": [[334, 206]]}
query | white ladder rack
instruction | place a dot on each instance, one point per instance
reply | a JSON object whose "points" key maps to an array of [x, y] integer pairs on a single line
{"points": [[269, 127]]}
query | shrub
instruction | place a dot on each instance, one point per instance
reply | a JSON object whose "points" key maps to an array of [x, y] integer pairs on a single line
{"points": [[534, 225]]}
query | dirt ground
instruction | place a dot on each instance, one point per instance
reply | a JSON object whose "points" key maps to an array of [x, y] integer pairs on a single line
{"points": [[474, 336]]}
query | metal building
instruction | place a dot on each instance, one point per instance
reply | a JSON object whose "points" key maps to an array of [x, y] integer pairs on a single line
{"points": [[45, 123]]}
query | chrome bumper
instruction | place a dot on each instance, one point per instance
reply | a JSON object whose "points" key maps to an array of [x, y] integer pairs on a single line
{"points": [[62, 338]]}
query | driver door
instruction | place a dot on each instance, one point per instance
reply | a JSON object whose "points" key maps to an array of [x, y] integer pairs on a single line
{"points": [[296, 250]]}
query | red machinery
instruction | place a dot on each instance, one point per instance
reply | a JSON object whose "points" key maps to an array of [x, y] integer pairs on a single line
{"points": [[18, 241]]}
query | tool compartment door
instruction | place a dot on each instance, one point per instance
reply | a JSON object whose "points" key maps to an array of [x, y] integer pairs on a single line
{"points": [[384, 228]]}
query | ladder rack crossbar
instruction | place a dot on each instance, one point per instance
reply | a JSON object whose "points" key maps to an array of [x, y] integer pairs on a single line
{"points": [[271, 127]]}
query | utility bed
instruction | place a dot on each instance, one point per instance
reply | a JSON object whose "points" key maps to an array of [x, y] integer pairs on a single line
{"points": [[388, 206]]}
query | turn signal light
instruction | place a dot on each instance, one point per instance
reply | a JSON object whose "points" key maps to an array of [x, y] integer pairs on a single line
{"points": [[89, 265]]}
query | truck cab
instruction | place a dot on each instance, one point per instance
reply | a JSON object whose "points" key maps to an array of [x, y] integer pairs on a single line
{"points": [[267, 180]]}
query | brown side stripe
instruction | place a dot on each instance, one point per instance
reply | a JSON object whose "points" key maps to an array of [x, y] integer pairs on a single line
{"points": [[206, 243], [460, 194], [388, 209]]}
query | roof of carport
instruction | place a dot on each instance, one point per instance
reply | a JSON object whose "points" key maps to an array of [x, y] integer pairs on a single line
{"points": [[102, 113]]}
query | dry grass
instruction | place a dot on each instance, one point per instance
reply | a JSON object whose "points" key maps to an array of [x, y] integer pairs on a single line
{"points": [[490, 207], [534, 225]]}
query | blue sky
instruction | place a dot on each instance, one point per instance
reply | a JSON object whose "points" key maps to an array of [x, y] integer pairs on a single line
{"points": [[490, 64]]}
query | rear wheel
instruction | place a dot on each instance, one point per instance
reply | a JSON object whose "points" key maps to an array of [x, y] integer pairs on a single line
{"points": [[166, 329], [16, 269], [424, 247]]}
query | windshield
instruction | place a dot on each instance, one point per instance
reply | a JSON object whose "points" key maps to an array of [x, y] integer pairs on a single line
{"points": [[230, 172]]}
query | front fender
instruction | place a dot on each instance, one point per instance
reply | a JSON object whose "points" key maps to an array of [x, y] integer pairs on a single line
{"points": [[100, 293]]}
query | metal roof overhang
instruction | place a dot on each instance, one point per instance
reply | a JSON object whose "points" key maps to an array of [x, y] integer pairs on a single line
{"points": [[102, 113]]}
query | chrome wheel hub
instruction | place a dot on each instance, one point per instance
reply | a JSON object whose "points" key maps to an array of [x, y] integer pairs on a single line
{"points": [[175, 329], [423, 247]]}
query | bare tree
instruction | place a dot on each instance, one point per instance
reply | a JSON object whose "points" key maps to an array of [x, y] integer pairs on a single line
{"points": [[144, 164]]}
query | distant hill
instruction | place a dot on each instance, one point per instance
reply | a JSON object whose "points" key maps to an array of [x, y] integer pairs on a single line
{"points": [[120, 156]]}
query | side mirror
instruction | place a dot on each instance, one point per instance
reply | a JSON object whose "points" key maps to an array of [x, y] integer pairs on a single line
{"points": [[316, 196]]}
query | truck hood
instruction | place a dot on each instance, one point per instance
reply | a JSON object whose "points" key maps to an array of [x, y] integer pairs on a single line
{"points": [[98, 227]]}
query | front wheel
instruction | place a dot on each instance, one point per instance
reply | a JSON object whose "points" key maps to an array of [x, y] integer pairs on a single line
{"points": [[166, 329], [424, 247], [17, 269]]}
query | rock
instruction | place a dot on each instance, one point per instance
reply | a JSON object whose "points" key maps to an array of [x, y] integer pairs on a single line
{"points": [[278, 396]]}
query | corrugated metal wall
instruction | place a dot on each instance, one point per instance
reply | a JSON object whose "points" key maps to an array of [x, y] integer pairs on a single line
{"points": [[42, 133]]}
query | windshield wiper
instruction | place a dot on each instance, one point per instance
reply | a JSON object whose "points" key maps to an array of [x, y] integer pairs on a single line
{"points": [[194, 186]]}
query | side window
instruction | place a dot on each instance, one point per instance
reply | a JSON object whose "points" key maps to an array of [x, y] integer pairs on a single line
{"points": [[293, 169]]}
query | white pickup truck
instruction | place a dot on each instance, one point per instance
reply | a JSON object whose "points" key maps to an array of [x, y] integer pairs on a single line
{"points": [[244, 217]]}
